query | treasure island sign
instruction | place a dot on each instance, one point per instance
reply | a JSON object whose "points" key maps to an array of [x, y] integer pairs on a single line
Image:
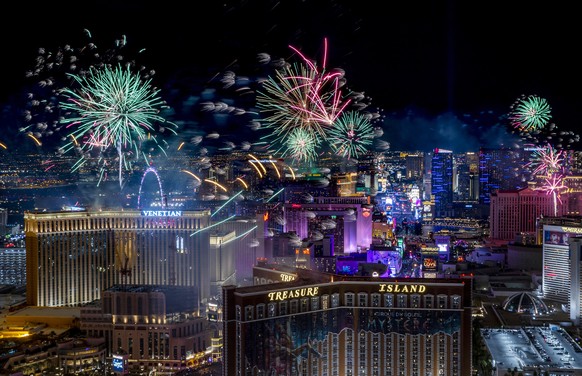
{"points": [[314, 291]]}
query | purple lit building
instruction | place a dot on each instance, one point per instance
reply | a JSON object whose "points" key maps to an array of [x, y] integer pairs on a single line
{"points": [[348, 219]]}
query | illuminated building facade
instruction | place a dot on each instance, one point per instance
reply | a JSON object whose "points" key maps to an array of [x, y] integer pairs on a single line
{"points": [[12, 266], [497, 170], [222, 261], [442, 182], [337, 325], [155, 327], [247, 245], [414, 165], [348, 219], [3, 220], [430, 261], [558, 264], [516, 211], [466, 177], [572, 197], [576, 289], [71, 257], [80, 356]]}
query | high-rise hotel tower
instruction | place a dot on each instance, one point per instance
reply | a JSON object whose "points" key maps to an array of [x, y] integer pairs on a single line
{"points": [[72, 256], [323, 324]]}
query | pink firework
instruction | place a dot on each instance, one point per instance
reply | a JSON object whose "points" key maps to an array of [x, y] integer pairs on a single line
{"points": [[301, 95], [324, 92], [554, 185], [547, 161]]}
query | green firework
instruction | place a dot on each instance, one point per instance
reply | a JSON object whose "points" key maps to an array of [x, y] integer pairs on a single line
{"points": [[351, 135]]}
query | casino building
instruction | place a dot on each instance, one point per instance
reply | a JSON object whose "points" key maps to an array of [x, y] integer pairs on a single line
{"points": [[72, 256], [561, 262], [348, 219], [326, 324]]}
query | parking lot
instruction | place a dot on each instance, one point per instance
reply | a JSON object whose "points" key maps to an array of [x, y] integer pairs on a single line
{"points": [[533, 348]]}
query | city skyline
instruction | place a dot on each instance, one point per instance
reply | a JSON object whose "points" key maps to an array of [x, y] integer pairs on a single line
{"points": [[437, 76]]}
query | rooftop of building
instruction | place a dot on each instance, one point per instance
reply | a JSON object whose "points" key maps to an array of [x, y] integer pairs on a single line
{"points": [[149, 288], [36, 311], [307, 277], [178, 299]]}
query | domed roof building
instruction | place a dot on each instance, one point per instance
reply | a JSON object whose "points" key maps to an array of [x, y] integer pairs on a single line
{"points": [[525, 302]]}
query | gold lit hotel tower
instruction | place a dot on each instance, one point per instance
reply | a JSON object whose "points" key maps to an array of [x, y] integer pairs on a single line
{"points": [[72, 256]]}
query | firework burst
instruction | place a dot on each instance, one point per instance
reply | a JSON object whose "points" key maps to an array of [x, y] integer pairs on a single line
{"points": [[301, 145], [112, 108], [547, 160], [550, 166], [530, 113], [53, 70], [351, 135], [301, 95], [554, 185]]}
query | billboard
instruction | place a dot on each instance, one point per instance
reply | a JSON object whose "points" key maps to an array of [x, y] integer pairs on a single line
{"points": [[556, 237], [443, 244], [429, 263], [392, 259], [119, 364]]}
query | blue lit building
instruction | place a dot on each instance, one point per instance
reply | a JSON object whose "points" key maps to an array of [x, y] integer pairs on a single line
{"points": [[442, 182], [499, 169]]}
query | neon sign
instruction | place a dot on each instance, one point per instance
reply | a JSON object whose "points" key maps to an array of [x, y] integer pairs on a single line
{"points": [[429, 263], [287, 277], [118, 364], [294, 293], [314, 291], [392, 287], [161, 213]]}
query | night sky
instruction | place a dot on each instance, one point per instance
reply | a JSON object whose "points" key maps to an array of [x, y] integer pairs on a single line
{"points": [[442, 73]]}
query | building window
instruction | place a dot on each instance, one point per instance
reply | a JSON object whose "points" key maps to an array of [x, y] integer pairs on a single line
{"points": [[335, 301], [428, 301], [401, 301], [260, 311], [362, 299], [415, 301], [349, 299], [304, 305], [442, 302], [375, 300], [271, 310], [238, 313], [282, 308], [455, 302], [314, 303], [249, 312], [293, 306], [388, 300], [324, 301]]}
